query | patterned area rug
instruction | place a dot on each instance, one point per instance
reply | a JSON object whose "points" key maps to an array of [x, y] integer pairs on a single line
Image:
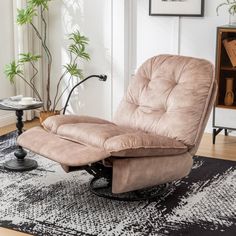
{"points": [[49, 202]]}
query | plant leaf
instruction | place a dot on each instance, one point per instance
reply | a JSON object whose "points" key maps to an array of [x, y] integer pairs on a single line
{"points": [[28, 57], [11, 70], [73, 70], [38, 3], [78, 38], [230, 4], [26, 15]]}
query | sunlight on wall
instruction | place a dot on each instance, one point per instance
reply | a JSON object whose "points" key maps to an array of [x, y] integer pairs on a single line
{"points": [[93, 19], [71, 12]]}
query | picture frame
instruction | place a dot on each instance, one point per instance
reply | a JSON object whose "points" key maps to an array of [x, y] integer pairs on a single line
{"points": [[190, 8]]}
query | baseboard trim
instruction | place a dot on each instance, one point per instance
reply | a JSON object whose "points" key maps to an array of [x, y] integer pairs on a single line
{"points": [[7, 119]]}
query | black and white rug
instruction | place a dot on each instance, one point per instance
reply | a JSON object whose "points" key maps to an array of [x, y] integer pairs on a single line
{"points": [[49, 202]]}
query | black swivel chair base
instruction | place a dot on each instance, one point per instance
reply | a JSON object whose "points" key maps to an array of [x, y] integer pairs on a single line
{"points": [[101, 187]]}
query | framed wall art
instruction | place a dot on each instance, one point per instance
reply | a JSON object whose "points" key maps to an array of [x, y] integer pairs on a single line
{"points": [[176, 8]]}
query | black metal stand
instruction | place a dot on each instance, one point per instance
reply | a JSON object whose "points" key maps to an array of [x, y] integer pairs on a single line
{"points": [[101, 78], [102, 187], [20, 164]]}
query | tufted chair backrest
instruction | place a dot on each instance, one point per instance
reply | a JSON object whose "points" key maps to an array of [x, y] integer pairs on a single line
{"points": [[169, 96]]}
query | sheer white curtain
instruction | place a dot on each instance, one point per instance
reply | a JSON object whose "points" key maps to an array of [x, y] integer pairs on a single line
{"points": [[26, 41]]}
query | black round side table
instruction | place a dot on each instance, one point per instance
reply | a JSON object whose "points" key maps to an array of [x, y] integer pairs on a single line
{"points": [[20, 163]]}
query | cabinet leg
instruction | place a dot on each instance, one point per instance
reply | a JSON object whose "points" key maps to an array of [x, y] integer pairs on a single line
{"points": [[226, 132], [214, 136], [215, 133]]}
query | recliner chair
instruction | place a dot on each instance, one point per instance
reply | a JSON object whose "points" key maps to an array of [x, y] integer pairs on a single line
{"points": [[155, 132]]}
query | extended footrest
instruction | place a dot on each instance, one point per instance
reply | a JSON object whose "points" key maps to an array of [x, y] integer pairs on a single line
{"points": [[58, 149]]}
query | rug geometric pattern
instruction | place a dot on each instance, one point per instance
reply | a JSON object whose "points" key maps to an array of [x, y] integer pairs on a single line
{"points": [[49, 202]]}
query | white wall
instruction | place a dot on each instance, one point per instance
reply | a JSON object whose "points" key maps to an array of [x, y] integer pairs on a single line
{"points": [[92, 18], [196, 36], [190, 36], [6, 55]]}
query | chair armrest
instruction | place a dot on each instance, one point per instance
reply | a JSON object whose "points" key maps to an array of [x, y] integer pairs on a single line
{"points": [[52, 123]]}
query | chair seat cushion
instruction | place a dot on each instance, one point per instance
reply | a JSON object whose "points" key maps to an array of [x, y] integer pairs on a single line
{"points": [[120, 141]]}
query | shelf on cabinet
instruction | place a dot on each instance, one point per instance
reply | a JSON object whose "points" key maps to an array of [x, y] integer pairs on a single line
{"points": [[226, 107], [228, 68]]}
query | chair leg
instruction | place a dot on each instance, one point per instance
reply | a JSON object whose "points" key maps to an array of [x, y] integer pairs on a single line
{"points": [[102, 187]]}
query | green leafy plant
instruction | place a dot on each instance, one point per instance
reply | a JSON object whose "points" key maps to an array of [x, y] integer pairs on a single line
{"points": [[76, 50], [231, 4]]}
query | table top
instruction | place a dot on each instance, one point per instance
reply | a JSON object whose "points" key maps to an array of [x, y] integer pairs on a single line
{"points": [[20, 108]]}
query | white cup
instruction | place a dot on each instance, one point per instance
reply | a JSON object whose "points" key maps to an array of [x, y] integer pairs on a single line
{"points": [[27, 100]]}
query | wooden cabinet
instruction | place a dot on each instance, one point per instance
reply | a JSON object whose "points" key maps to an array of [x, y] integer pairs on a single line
{"points": [[224, 69]]}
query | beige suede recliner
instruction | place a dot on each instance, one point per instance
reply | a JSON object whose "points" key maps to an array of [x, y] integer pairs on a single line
{"points": [[155, 132]]}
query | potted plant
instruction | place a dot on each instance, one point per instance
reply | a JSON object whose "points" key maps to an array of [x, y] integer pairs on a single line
{"points": [[76, 49], [231, 4]]}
